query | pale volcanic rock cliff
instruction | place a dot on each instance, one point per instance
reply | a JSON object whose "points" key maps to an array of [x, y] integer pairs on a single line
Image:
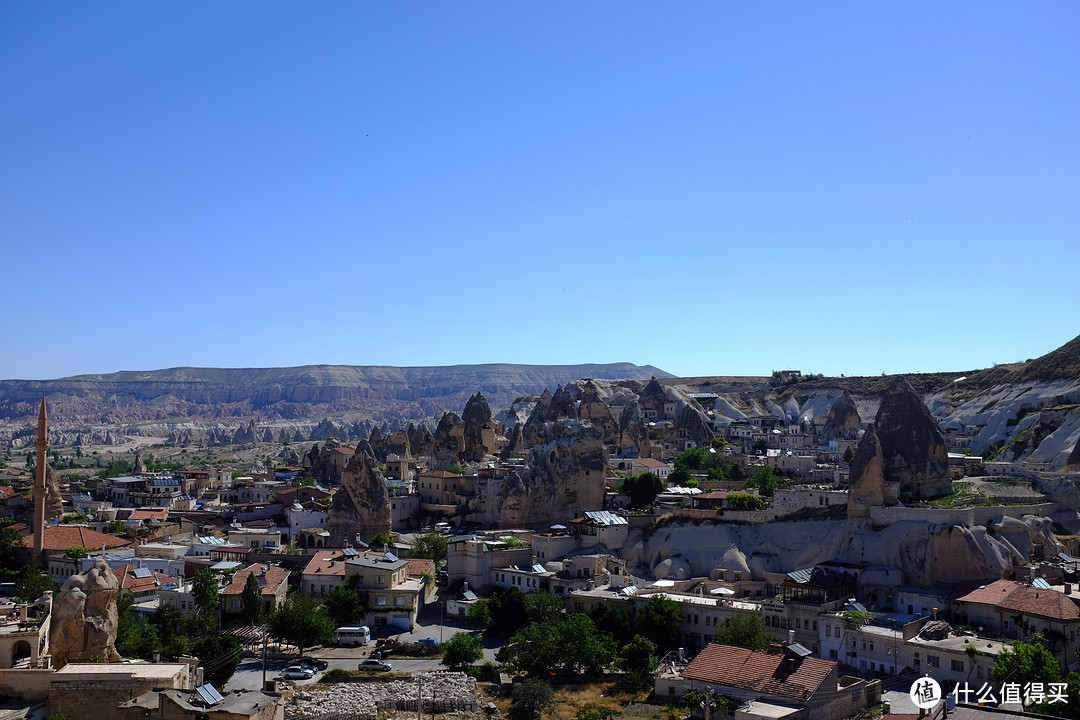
{"points": [[362, 506], [84, 617], [866, 488], [565, 477], [903, 553], [913, 447]]}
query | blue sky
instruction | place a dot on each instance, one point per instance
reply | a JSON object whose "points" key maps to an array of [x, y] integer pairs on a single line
{"points": [[711, 188]]}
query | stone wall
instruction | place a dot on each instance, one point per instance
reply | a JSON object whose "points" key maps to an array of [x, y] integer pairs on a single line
{"points": [[84, 695], [966, 517], [27, 684]]}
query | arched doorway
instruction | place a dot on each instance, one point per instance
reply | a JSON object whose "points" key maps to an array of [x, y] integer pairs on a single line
{"points": [[19, 651]]}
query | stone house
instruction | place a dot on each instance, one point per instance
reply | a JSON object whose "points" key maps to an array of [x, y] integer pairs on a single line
{"points": [[187, 705], [273, 581], [394, 597], [24, 633], [780, 682]]}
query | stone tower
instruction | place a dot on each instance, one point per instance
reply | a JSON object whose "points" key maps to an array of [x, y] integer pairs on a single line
{"points": [[41, 444]]}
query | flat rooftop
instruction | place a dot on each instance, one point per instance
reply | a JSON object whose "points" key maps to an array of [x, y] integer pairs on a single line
{"points": [[164, 671]]}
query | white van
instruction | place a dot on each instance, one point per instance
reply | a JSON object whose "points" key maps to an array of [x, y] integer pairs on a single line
{"points": [[353, 635]]}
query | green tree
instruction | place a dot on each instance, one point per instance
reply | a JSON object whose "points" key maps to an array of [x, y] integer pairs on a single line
{"points": [[1029, 661], [764, 480], [12, 549], [569, 645], [745, 630], [480, 612], [461, 651], [116, 527], [614, 621], [204, 591], [542, 606], [531, 699], [32, 582], [302, 621], [76, 552], [73, 518], [170, 625], [659, 619], [508, 613], [744, 501], [345, 605], [379, 541], [252, 600], [595, 711], [849, 455], [219, 655], [638, 660], [433, 546], [642, 489], [135, 638]]}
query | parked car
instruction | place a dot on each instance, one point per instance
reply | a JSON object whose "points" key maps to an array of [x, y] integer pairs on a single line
{"points": [[374, 664], [297, 672], [428, 641], [309, 662]]}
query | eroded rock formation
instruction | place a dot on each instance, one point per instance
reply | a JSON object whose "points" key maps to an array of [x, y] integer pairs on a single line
{"points": [[362, 506], [449, 440], [912, 445], [54, 501], [84, 617], [565, 477], [480, 430]]}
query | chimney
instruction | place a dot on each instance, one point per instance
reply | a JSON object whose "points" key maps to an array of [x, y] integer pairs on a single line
{"points": [[790, 637], [465, 587]]}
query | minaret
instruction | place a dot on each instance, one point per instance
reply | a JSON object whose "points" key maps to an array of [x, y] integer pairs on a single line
{"points": [[42, 447]]}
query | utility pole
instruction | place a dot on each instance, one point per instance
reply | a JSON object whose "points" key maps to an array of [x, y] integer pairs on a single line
{"points": [[264, 634]]}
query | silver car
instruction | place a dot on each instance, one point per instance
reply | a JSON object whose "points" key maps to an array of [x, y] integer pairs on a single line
{"points": [[297, 672]]}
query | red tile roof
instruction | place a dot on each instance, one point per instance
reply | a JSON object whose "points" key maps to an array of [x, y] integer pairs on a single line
{"points": [[125, 575], [649, 462], [991, 594], [771, 673], [419, 566], [1044, 603], [345, 451], [325, 563], [149, 514], [61, 537], [274, 577]]}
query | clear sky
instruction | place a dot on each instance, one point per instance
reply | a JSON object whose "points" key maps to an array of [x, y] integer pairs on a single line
{"points": [[708, 187]]}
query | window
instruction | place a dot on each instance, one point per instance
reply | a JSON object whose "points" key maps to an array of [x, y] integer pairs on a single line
{"points": [[399, 601], [379, 580], [933, 661], [738, 576], [871, 647], [815, 624], [958, 666], [380, 601]]}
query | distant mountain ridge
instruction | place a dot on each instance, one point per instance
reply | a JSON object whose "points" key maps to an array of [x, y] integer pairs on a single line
{"points": [[374, 392]]}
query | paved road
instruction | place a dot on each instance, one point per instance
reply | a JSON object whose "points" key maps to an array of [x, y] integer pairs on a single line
{"points": [[249, 675]]}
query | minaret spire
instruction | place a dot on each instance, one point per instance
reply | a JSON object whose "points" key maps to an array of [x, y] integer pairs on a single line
{"points": [[41, 444]]}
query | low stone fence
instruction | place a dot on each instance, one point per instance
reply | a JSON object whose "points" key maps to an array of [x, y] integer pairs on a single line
{"points": [[28, 683], [363, 699]]}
